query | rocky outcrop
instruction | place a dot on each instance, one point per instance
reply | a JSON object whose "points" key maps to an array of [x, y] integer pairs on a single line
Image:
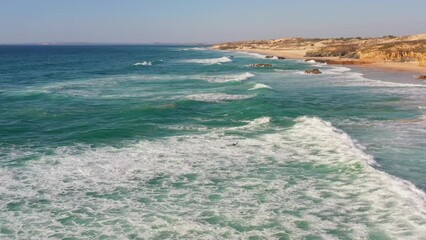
{"points": [[346, 51], [274, 57], [313, 71], [422, 77], [261, 65]]}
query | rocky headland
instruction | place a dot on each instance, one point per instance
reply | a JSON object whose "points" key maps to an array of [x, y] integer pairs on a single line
{"points": [[368, 51]]}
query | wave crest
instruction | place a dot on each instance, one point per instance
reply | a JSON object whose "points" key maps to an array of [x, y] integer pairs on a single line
{"points": [[260, 86], [195, 49], [256, 55], [144, 63], [209, 61], [217, 97], [230, 78], [152, 182]]}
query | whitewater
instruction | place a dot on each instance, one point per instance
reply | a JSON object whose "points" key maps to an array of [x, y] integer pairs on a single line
{"points": [[197, 144]]}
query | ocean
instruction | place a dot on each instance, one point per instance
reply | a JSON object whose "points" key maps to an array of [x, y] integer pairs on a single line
{"points": [[172, 142]]}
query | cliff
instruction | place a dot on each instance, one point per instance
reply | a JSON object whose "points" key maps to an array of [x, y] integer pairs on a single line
{"points": [[362, 50], [406, 51]]}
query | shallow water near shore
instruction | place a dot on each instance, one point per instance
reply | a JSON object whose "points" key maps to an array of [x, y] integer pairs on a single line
{"points": [[147, 142]]}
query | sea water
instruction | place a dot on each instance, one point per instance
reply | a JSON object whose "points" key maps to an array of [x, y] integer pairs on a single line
{"points": [[169, 142]]}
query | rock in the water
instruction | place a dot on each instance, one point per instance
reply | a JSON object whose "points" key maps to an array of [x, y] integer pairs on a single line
{"points": [[422, 77], [315, 60], [274, 57], [261, 65], [313, 71]]}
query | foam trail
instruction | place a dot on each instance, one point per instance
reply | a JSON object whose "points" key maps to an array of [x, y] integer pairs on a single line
{"points": [[144, 63], [358, 79], [256, 55], [336, 70], [210, 60], [195, 49], [230, 78], [262, 121], [217, 97], [315, 63], [260, 86], [308, 179], [320, 126], [298, 72]]}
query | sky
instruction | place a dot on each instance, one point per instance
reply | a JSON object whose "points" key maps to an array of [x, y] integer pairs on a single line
{"points": [[204, 21]]}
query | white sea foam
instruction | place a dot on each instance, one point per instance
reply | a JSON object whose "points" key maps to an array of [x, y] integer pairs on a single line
{"points": [[335, 70], [314, 63], [379, 83], [256, 55], [258, 122], [357, 79], [259, 86], [308, 179], [186, 127], [144, 63], [210, 60], [298, 72], [217, 97], [229, 78], [195, 49], [345, 76], [323, 129]]}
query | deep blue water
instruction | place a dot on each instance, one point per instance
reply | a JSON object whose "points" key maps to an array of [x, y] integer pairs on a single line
{"points": [[137, 142]]}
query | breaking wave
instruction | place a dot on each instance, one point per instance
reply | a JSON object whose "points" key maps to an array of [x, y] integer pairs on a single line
{"points": [[256, 55], [217, 97], [210, 60], [229, 78], [144, 63], [259, 86], [195, 49], [305, 179], [299, 72]]}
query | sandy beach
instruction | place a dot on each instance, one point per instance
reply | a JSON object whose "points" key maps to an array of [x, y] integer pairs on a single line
{"points": [[411, 67]]}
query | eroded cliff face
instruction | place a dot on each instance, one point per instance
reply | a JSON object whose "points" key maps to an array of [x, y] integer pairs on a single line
{"points": [[422, 60], [406, 51], [365, 50]]}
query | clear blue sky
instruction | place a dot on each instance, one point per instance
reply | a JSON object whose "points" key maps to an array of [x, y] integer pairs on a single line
{"points": [[146, 21]]}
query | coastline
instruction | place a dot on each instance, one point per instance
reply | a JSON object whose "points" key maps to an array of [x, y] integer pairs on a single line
{"points": [[307, 140], [407, 67]]}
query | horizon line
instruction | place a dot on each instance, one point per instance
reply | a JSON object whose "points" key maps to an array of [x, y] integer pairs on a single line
{"points": [[59, 43], [99, 43]]}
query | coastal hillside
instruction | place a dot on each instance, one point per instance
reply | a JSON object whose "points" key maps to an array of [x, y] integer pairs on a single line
{"points": [[361, 50]]}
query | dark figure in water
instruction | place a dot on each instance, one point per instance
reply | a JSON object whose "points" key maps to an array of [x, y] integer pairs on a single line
{"points": [[233, 144]]}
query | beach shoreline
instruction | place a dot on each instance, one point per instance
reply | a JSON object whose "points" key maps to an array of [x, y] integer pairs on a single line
{"points": [[407, 67]]}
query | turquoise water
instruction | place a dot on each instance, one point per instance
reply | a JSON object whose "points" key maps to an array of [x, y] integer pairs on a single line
{"points": [[147, 142]]}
